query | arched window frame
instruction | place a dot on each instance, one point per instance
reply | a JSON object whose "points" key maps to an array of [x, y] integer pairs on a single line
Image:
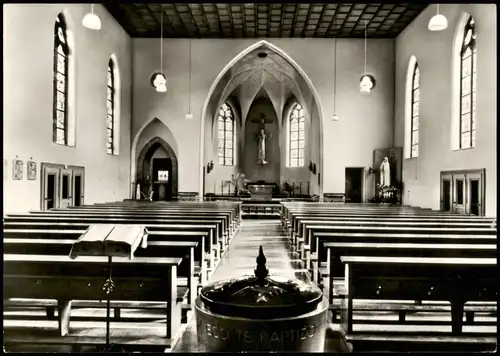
{"points": [[226, 135], [468, 60], [60, 75], [296, 136], [110, 108], [415, 111]]}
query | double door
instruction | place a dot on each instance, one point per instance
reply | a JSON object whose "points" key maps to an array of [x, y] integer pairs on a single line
{"points": [[462, 192], [61, 186]]}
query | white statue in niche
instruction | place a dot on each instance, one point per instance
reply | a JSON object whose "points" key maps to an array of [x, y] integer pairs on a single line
{"points": [[385, 173]]}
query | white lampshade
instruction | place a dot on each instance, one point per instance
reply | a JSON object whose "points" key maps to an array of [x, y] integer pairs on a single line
{"points": [[92, 21], [189, 116], [367, 83], [438, 23], [162, 88], [335, 117]]}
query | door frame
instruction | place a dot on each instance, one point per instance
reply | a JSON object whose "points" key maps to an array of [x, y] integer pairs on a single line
{"points": [[469, 174], [363, 181], [44, 168], [447, 177], [78, 171]]}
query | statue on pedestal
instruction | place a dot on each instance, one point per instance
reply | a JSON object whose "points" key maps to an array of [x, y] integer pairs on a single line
{"points": [[261, 137], [262, 147], [385, 173]]}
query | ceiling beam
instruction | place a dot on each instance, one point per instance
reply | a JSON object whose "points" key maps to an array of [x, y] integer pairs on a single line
{"points": [[319, 19], [345, 20], [243, 20], [303, 34], [194, 21], [359, 19], [294, 20]]}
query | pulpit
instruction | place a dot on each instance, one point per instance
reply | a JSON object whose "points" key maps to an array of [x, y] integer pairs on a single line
{"points": [[261, 190], [110, 240]]}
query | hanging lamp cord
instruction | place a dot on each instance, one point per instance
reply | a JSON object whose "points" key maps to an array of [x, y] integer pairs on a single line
{"points": [[161, 41], [365, 45], [335, 65], [189, 84], [437, 9]]}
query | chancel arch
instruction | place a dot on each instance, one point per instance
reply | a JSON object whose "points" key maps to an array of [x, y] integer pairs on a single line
{"points": [[263, 73]]}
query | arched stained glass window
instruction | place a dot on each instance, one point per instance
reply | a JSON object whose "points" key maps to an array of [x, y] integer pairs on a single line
{"points": [[415, 110], [110, 118], [225, 122], [296, 137], [468, 86], [61, 57]]}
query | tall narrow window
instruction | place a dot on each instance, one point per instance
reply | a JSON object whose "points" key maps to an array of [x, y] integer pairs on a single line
{"points": [[225, 121], [415, 110], [296, 137], [61, 57], [110, 118], [468, 86]]}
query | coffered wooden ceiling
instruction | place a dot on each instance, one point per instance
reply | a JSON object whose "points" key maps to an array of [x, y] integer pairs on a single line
{"points": [[256, 20]]}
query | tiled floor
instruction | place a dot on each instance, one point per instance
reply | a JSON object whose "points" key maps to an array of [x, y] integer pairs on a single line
{"points": [[241, 257]]}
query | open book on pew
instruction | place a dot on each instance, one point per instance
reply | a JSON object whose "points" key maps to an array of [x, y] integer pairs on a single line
{"points": [[110, 240]]}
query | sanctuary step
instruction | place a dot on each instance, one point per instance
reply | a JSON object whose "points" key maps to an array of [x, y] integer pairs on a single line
{"points": [[261, 209]]}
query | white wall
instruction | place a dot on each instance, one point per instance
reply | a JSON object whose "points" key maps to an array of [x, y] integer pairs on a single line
{"points": [[28, 100], [433, 51], [366, 121]]}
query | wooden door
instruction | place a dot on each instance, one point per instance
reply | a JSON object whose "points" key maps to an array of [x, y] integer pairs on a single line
{"points": [[459, 193], [78, 185], [50, 175], [66, 188], [474, 204], [446, 192]]}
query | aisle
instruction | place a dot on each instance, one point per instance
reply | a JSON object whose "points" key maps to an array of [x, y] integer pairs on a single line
{"points": [[241, 259]]}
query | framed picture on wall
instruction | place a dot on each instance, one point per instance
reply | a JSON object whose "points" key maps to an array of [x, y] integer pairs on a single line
{"points": [[17, 173], [31, 170]]}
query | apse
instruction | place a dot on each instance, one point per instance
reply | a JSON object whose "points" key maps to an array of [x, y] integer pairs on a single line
{"points": [[255, 98]]}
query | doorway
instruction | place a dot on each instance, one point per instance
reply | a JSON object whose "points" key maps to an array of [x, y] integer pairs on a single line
{"points": [[162, 182], [61, 186], [462, 192], [354, 184], [157, 169]]}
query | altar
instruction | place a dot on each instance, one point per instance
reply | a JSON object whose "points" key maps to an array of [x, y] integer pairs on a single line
{"points": [[261, 190]]}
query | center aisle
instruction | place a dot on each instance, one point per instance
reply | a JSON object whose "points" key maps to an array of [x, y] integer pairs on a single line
{"points": [[241, 257]]}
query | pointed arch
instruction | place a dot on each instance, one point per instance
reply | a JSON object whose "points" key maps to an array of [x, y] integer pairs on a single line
{"points": [[223, 72], [151, 128]]}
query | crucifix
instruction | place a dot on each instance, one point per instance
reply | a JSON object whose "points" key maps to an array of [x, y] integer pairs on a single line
{"points": [[261, 137]]}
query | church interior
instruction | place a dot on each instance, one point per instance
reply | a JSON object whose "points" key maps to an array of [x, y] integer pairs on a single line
{"points": [[233, 177]]}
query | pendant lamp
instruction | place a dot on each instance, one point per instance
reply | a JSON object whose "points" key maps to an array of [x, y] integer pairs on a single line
{"points": [[367, 81], [91, 20], [189, 115], [438, 22], [158, 79]]}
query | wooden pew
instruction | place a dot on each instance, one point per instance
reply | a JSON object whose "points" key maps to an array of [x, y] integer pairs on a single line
{"points": [[299, 219], [310, 243], [201, 252], [212, 245], [228, 225], [182, 249], [455, 280], [321, 238], [336, 250], [66, 279]]}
